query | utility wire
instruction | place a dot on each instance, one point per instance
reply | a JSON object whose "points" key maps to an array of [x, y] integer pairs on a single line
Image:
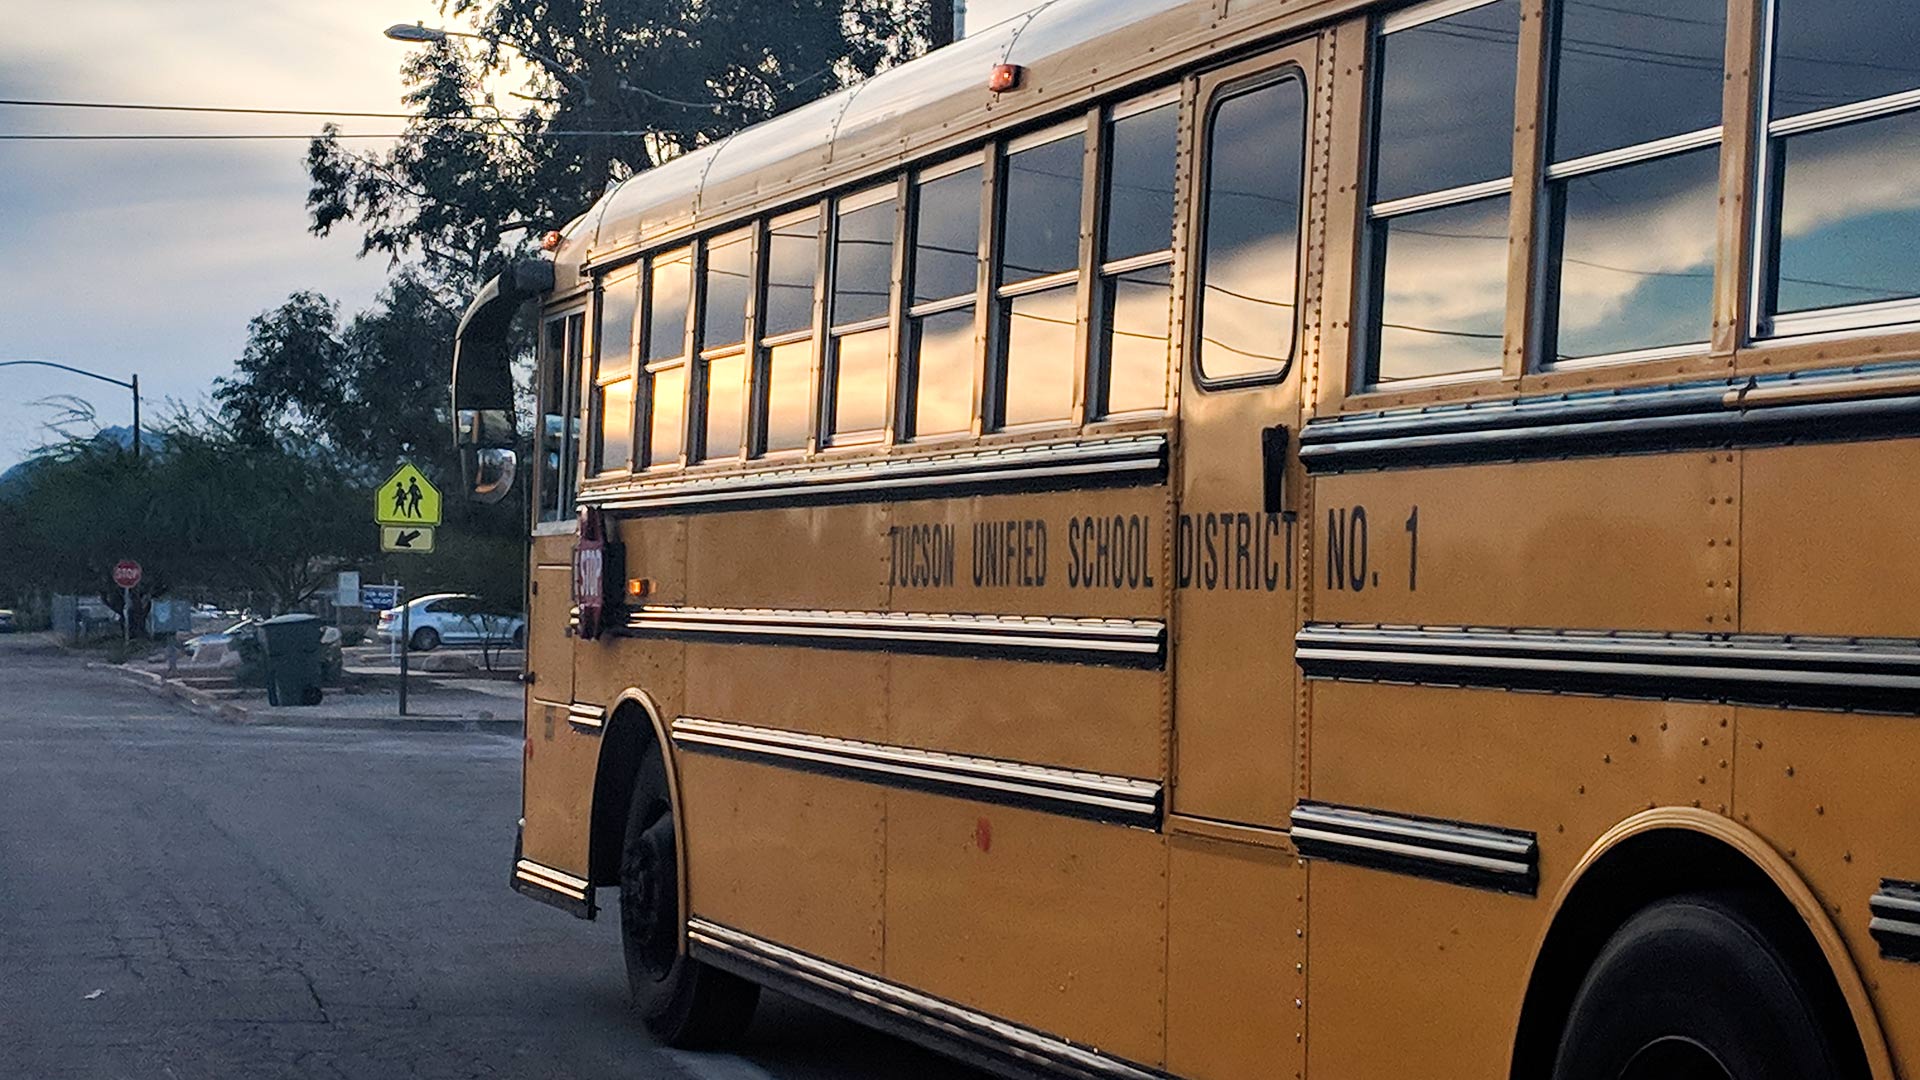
{"points": [[218, 136], [215, 109]]}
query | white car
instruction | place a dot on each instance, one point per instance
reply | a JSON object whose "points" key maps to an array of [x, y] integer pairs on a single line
{"points": [[452, 619]]}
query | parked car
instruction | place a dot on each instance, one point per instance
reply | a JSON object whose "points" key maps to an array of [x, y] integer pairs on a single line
{"points": [[7, 623], [453, 619], [221, 649]]}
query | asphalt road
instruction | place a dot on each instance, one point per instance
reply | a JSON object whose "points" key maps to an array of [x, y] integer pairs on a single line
{"points": [[185, 899]]}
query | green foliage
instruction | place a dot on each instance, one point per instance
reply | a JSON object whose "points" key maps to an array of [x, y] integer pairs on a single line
{"points": [[205, 508], [370, 392], [659, 77]]}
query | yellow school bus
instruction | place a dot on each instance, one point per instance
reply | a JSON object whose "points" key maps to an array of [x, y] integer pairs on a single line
{"points": [[1255, 538]]}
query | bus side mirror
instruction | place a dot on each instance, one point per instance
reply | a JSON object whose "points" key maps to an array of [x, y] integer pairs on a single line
{"points": [[493, 472], [486, 443]]}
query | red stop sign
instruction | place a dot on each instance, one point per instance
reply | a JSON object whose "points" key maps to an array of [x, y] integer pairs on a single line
{"points": [[126, 573]]}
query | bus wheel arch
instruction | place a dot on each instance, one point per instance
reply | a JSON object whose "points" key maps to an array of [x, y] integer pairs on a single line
{"points": [[1658, 855], [634, 722]]}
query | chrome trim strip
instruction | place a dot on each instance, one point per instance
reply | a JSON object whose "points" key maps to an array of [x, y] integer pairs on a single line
{"points": [[1499, 866], [1115, 799], [1843, 319], [584, 715], [1843, 114], [1415, 830], [1631, 155], [1868, 674], [1408, 18], [1611, 423], [996, 1037], [547, 875], [1140, 642], [1895, 921], [1482, 856], [1120, 459], [1465, 193]]}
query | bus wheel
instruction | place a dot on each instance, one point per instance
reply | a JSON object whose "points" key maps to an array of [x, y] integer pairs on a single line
{"points": [[683, 1002], [1696, 988]]}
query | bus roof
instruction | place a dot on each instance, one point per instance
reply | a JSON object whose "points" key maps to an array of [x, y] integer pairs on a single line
{"points": [[895, 116]]}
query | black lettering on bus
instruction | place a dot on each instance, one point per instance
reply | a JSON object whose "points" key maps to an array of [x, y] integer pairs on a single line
{"points": [[1242, 551], [1269, 562], [1357, 547], [1336, 549], [1210, 569]]}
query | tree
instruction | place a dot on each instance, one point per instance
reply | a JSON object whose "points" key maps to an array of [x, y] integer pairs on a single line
{"points": [[618, 87], [208, 508], [371, 392]]}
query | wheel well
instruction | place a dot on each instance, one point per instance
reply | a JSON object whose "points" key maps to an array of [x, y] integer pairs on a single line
{"points": [[628, 734], [1641, 870]]}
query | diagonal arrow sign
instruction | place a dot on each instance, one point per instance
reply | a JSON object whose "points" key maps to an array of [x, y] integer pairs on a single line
{"points": [[417, 540]]}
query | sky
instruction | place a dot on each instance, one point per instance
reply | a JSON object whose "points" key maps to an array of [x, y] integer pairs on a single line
{"points": [[150, 257]]}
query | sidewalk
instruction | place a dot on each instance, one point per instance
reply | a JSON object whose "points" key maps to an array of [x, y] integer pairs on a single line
{"points": [[373, 703]]}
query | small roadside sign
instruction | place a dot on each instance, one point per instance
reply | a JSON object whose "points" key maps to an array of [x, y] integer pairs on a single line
{"points": [[126, 573], [379, 597], [406, 538], [407, 498]]}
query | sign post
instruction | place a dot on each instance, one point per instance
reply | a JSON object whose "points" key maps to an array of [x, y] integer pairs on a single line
{"points": [[126, 574], [386, 598], [406, 643]]}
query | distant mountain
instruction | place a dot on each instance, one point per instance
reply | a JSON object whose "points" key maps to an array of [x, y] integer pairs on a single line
{"points": [[120, 435]]}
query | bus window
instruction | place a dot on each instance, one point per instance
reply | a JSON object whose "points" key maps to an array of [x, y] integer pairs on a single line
{"points": [[1633, 179], [668, 295], [1249, 262], [1442, 184], [611, 411], [946, 265], [1844, 155], [726, 273], [861, 326], [1136, 281], [1039, 276], [560, 348], [783, 384]]}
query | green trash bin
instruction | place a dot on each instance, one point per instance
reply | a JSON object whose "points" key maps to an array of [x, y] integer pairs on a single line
{"points": [[292, 647]]}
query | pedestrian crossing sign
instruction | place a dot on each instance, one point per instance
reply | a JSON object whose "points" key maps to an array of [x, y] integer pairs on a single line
{"points": [[407, 498]]}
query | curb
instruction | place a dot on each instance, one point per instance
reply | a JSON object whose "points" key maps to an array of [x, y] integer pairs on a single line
{"points": [[227, 712], [154, 683]]}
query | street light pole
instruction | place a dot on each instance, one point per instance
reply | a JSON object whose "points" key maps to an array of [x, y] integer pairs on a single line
{"points": [[418, 33], [133, 384]]}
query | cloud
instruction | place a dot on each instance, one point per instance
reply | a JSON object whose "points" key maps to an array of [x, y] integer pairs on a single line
{"points": [[152, 256]]}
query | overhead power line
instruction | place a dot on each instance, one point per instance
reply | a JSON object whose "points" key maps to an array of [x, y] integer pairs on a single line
{"points": [[227, 136], [216, 109]]}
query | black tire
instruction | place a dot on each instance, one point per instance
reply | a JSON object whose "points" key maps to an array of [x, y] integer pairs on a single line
{"points": [[425, 639], [682, 1001], [1702, 987], [519, 639]]}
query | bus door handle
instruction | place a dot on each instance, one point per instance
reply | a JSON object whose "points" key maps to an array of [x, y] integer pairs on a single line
{"points": [[1273, 468]]}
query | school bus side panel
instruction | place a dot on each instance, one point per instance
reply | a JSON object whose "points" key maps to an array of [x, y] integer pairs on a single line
{"points": [[1236, 982], [1055, 923], [788, 856], [1829, 539], [1446, 962], [1618, 543], [555, 803]]}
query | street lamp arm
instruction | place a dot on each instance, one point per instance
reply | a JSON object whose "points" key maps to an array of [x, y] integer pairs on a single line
{"points": [[77, 371], [132, 384], [403, 32]]}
